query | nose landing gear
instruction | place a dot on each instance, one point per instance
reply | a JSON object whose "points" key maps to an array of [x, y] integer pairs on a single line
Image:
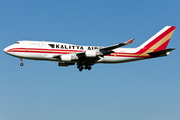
{"points": [[21, 64]]}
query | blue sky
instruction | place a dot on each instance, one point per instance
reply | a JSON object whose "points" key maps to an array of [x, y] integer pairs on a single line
{"points": [[142, 90]]}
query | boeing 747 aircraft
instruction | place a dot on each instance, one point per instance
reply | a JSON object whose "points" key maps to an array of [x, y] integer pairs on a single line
{"points": [[86, 56]]}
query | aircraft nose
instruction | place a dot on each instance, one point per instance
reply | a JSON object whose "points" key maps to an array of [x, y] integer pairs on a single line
{"points": [[5, 49]]}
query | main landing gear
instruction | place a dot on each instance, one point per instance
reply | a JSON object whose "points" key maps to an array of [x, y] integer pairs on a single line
{"points": [[21, 64], [81, 67]]}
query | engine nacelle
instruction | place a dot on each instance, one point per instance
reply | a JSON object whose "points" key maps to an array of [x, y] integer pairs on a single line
{"points": [[68, 58], [90, 53]]}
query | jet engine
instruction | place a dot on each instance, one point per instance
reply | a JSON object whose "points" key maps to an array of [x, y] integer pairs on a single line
{"points": [[68, 58], [92, 53]]}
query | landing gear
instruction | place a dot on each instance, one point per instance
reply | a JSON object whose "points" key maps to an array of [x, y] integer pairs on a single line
{"points": [[80, 67], [88, 67], [21, 64]]}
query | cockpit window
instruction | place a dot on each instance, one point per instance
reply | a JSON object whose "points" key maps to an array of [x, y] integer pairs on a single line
{"points": [[16, 42]]}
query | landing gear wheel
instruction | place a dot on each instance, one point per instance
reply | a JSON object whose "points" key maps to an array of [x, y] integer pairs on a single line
{"points": [[86, 67], [80, 69], [89, 68], [78, 66], [21, 64]]}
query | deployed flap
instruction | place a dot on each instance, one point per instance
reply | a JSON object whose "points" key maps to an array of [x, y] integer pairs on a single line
{"points": [[116, 46]]}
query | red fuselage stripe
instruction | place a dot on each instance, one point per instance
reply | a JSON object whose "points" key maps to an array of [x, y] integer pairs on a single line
{"points": [[61, 51]]}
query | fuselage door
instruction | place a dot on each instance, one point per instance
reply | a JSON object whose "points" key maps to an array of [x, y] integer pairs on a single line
{"points": [[41, 44]]}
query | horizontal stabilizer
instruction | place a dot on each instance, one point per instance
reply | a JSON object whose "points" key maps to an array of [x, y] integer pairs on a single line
{"points": [[160, 52]]}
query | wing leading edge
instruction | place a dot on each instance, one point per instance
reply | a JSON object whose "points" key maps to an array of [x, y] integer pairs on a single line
{"points": [[109, 48]]}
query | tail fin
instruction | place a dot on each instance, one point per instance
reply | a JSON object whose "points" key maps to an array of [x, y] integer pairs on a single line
{"points": [[159, 41]]}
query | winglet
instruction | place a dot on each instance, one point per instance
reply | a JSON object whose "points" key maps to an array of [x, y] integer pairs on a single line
{"points": [[129, 41]]}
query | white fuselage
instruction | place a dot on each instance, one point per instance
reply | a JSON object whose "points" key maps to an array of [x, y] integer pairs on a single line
{"points": [[40, 50]]}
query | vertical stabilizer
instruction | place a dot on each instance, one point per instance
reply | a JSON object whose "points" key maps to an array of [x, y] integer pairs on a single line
{"points": [[159, 41]]}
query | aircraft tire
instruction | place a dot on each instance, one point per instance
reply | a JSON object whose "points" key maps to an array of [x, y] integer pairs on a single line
{"points": [[86, 67], [89, 68], [21, 64], [80, 69]]}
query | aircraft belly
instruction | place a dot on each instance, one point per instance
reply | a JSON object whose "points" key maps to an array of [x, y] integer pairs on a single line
{"points": [[112, 59], [33, 56]]}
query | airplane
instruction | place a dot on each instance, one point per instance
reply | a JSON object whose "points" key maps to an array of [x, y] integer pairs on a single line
{"points": [[86, 56]]}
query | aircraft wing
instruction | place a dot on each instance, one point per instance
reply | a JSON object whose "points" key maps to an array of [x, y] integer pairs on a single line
{"points": [[90, 56], [104, 50], [109, 48]]}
